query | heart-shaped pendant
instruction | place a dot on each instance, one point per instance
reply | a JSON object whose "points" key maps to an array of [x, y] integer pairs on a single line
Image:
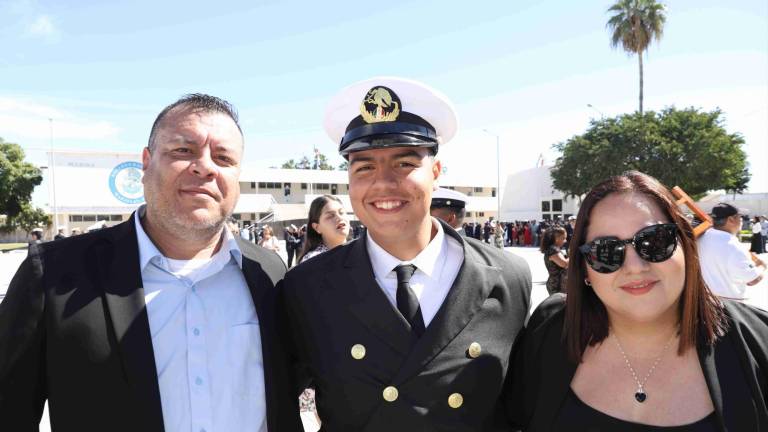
{"points": [[640, 396]]}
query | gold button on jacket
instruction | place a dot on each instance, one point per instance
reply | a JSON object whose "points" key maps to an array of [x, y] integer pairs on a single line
{"points": [[474, 350], [390, 394], [455, 400], [358, 351]]}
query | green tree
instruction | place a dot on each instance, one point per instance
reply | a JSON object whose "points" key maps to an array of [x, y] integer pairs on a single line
{"points": [[344, 165], [319, 162], [17, 181], [685, 148], [291, 164], [633, 25]]}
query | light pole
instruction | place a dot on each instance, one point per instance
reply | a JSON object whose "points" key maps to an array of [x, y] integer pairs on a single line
{"points": [[53, 178], [589, 105], [498, 176]]}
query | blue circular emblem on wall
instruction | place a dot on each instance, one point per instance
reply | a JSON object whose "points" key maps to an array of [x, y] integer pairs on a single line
{"points": [[125, 183]]}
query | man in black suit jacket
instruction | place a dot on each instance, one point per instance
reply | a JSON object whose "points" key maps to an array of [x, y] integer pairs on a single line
{"points": [[410, 327], [75, 328]]}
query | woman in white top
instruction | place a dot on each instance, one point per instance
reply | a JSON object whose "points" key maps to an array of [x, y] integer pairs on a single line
{"points": [[268, 240]]}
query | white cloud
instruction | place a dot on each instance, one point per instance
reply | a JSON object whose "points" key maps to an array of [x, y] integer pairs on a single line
{"points": [[43, 27]]}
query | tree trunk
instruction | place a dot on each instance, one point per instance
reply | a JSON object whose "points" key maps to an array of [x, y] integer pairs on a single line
{"points": [[640, 62]]}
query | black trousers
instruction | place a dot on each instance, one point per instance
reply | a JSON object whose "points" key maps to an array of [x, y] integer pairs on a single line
{"points": [[291, 253]]}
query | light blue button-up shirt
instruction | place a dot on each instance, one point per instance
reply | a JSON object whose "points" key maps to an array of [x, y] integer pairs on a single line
{"points": [[206, 340]]}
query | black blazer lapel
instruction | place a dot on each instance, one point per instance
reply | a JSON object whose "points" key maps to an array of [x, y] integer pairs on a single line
{"points": [[708, 367], [472, 286], [118, 263], [368, 303]]}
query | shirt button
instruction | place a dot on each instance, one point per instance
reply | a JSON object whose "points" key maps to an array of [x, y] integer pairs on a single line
{"points": [[199, 381], [196, 332]]}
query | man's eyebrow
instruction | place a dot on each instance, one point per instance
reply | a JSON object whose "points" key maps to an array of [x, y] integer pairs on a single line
{"points": [[361, 159], [408, 153], [176, 138]]}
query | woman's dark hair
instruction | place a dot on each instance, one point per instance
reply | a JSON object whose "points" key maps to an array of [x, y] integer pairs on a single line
{"points": [[548, 239], [701, 314], [313, 238]]}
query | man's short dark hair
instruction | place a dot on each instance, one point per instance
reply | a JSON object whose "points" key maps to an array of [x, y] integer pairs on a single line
{"points": [[196, 102]]}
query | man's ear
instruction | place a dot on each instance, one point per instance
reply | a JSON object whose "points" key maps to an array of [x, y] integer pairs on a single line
{"points": [[437, 169], [146, 155]]}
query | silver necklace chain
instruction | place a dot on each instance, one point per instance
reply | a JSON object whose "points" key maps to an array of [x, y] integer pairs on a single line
{"points": [[640, 394]]}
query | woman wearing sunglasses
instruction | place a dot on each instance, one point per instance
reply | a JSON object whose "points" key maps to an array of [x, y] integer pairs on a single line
{"points": [[639, 343]]}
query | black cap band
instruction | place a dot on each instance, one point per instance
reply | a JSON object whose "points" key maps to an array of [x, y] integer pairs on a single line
{"points": [[447, 202], [408, 130]]}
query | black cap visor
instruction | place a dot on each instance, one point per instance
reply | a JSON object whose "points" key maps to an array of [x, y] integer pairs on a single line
{"points": [[386, 141]]}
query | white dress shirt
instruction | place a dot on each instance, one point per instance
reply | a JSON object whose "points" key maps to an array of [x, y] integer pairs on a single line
{"points": [[206, 340], [436, 269]]}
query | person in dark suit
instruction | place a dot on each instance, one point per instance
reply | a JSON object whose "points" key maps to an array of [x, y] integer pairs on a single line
{"points": [[640, 343], [165, 322], [409, 327]]}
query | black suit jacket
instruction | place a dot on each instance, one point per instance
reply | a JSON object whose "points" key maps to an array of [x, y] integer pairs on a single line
{"points": [[333, 303], [735, 368], [74, 330]]}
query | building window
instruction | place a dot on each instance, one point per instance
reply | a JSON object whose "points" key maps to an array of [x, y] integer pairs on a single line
{"points": [[545, 206], [557, 205], [479, 189], [493, 192], [89, 218], [321, 186], [116, 218], [469, 214], [480, 214], [236, 216], [270, 185], [303, 186], [75, 218], [102, 218], [253, 185], [546, 216], [334, 189]]}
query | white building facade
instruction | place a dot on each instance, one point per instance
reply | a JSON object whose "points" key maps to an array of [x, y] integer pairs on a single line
{"points": [[88, 190]]}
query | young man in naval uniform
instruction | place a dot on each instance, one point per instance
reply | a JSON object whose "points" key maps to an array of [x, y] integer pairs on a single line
{"points": [[449, 205], [410, 327]]}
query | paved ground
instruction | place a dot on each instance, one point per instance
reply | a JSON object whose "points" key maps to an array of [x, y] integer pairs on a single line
{"points": [[758, 296]]}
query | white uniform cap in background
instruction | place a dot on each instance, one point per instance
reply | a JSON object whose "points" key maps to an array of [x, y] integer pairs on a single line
{"points": [[443, 197]]}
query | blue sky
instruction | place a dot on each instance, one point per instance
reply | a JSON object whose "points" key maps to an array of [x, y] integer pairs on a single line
{"points": [[525, 70]]}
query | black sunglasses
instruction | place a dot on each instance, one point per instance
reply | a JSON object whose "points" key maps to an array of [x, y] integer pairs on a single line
{"points": [[655, 243]]}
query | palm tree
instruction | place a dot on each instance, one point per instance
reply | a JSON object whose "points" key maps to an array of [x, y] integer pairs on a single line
{"points": [[633, 24]]}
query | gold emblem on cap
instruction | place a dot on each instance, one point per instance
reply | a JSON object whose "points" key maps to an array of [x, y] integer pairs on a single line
{"points": [[455, 400], [358, 352], [390, 394], [380, 105], [474, 350], [448, 202]]}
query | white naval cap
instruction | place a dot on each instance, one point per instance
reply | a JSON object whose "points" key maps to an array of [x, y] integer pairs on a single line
{"points": [[443, 197], [389, 112]]}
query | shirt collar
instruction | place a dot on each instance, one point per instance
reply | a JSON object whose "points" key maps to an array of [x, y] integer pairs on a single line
{"points": [[384, 263], [148, 250]]}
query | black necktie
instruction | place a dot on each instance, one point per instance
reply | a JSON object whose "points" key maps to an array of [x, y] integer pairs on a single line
{"points": [[407, 303]]}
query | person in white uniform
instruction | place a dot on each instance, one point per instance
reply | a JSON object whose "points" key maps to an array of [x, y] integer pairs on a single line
{"points": [[727, 267]]}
